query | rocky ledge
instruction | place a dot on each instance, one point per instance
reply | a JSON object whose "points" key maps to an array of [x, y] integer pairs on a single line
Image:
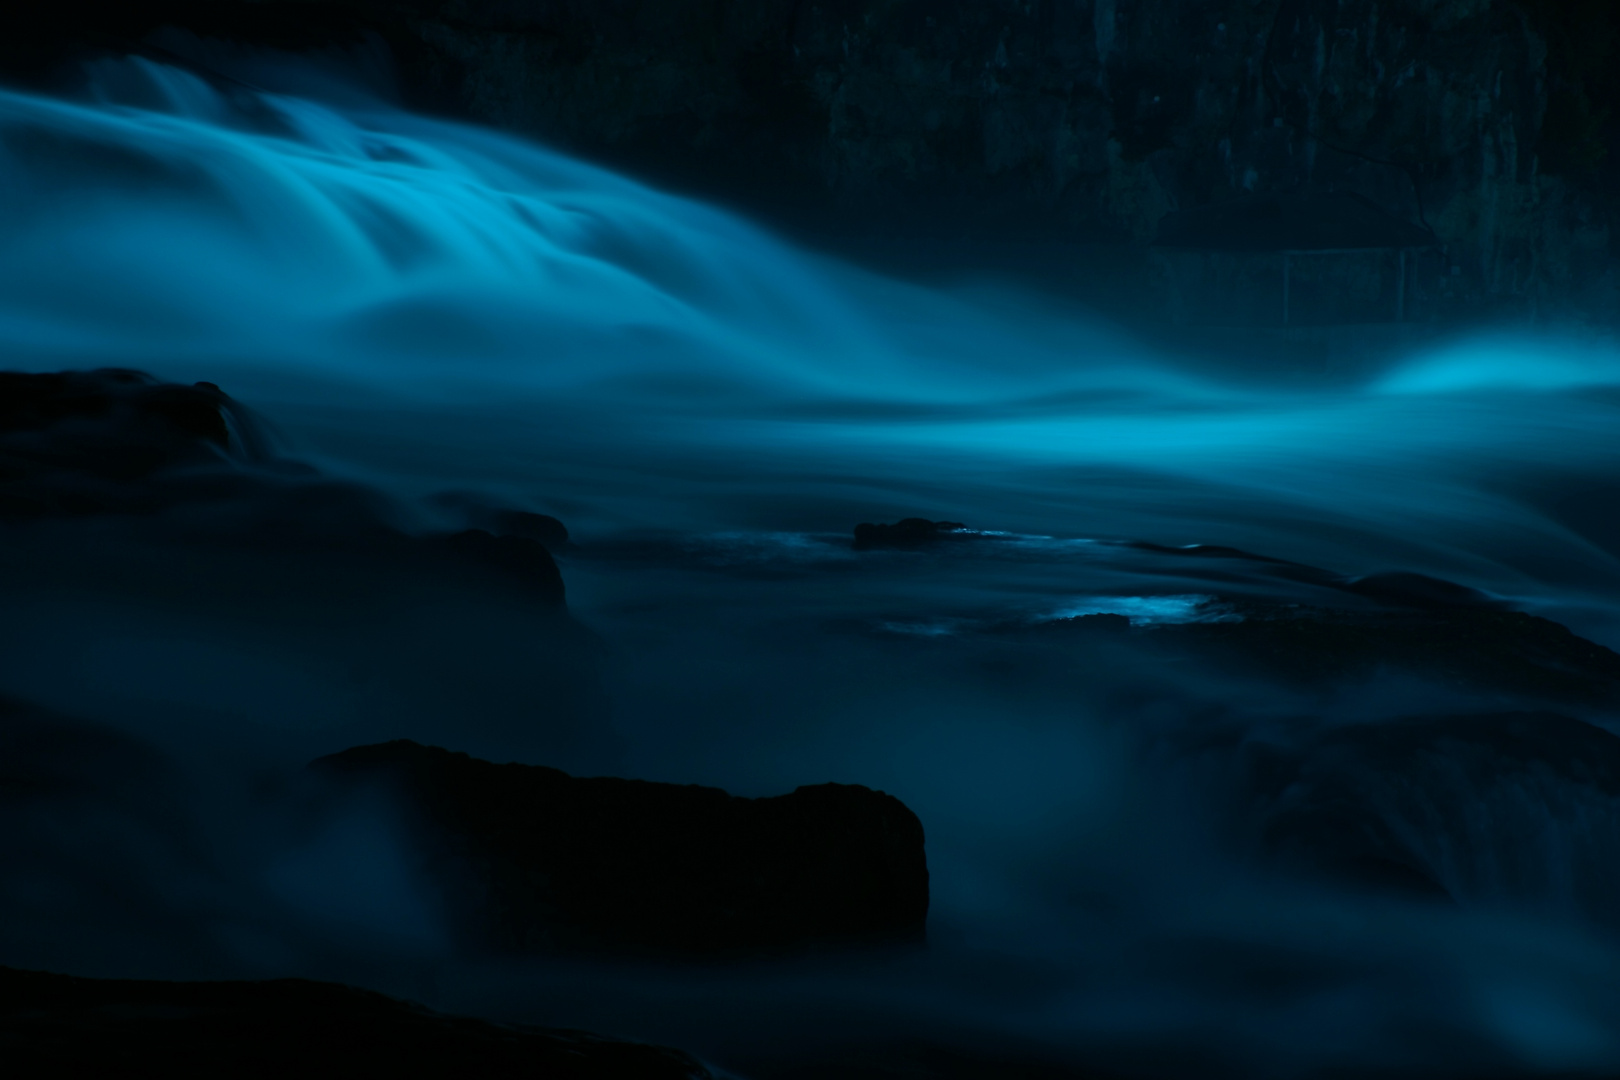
{"points": [[112, 441], [536, 860]]}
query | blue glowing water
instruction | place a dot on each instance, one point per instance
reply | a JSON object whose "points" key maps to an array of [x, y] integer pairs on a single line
{"points": [[430, 307]]}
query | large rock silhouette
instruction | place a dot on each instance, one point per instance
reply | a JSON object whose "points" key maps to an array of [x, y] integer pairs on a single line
{"points": [[57, 1025], [535, 860]]}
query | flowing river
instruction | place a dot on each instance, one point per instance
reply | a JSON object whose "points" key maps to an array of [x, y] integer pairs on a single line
{"points": [[452, 317]]}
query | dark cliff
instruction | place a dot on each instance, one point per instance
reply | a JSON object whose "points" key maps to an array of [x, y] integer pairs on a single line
{"points": [[1086, 121]]}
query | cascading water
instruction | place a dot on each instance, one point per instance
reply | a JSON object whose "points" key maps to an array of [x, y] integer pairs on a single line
{"points": [[427, 308]]}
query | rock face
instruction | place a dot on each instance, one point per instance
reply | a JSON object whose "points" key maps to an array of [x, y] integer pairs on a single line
{"points": [[56, 1025], [535, 860], [1466, 648], [1505, 809], [114, 441], [153, 502], [906, 533], [1490, 121], [519, 560], [75, 441]]}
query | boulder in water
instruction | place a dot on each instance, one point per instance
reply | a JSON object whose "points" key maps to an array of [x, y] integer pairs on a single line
{"points": [[536, 860], [542, 528], [1404, 589], [1467, 648], [906, 533], [524, 563]]}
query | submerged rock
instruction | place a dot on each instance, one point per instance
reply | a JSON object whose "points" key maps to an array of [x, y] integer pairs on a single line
{"points": [[535, 860], [1403, 589], [1517, 808], [906, 533], [58, 1025], [1468, 648]]}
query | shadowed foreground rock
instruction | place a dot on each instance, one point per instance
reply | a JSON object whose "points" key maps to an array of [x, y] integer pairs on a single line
{"points": [[58, 1025], [535, 860]]}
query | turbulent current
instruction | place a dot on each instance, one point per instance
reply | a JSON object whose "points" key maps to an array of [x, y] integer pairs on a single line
{"points": [[456, 318]]}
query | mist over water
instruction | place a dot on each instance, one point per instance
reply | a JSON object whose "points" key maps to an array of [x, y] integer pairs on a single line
{"points": [[456, 318]]}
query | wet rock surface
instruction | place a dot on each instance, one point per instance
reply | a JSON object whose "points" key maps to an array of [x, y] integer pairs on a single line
{"points": [[907, 533], [1478, 649], [535, 860], [54, 1025], [78, 442], [120, 442]]}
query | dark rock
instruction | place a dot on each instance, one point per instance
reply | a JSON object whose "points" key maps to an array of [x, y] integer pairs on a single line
{"points": [[516, 559], [540, 527], [74, 441], [1102, 624], [478, 512], [1402, 589], [907, 533], [1392, 588], [535, 860], [57, 1025], [1518, 808], [115, 441], [1468, 648], [112, 398]]}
